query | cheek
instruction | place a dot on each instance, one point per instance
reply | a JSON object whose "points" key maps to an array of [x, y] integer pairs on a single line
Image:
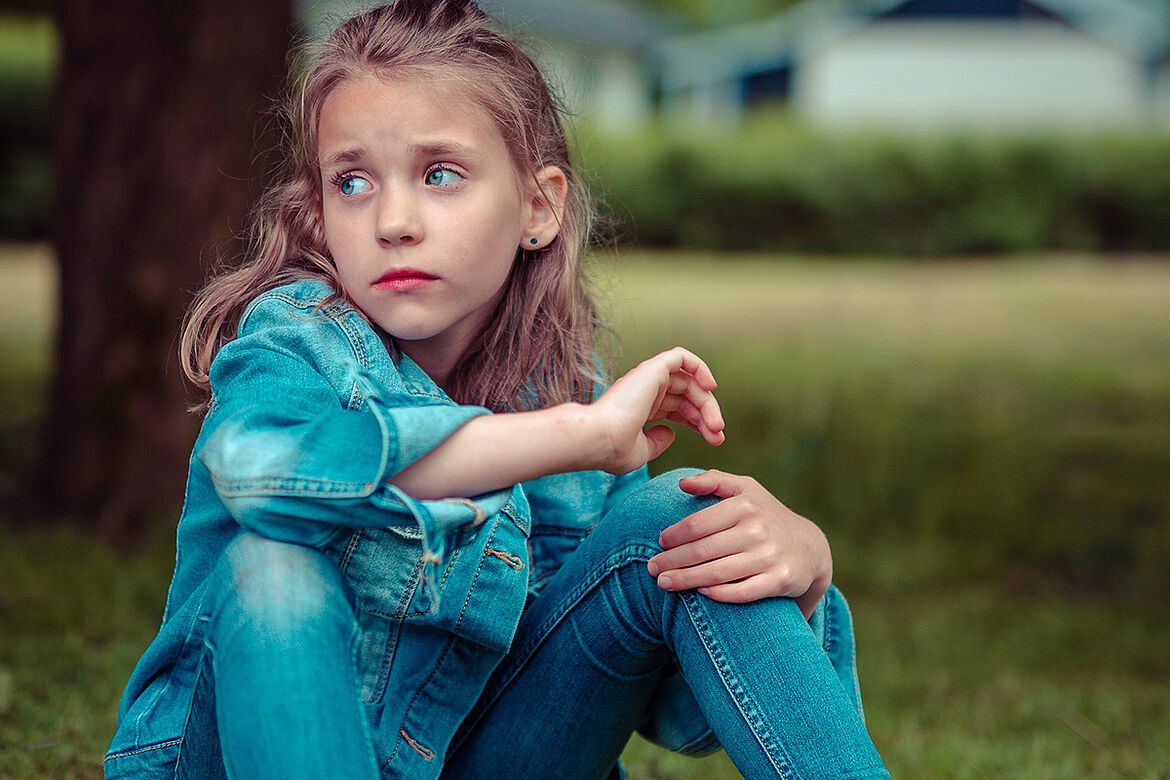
{"points": [[337, 233], [499, 230]]}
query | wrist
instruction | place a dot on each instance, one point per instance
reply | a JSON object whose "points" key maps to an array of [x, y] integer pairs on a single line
{"points": [[587, 445]]}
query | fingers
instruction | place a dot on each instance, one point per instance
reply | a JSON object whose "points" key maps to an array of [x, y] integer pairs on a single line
{"points": [[729, 568], [708, 548], [679, 387], [751, 589], [684, 399], [706, 422], [711, 520], [717, 483], [691, 363], [739, 578]]}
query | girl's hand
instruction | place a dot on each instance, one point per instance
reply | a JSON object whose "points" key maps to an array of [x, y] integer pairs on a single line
{"points": [[674, 385], [748, 546]]}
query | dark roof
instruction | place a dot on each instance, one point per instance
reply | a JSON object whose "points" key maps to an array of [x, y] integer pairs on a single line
{"points": [[1140, 27]]}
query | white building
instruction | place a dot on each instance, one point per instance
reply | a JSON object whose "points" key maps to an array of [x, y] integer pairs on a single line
{"points": [[1030, 64], [594, 51]]}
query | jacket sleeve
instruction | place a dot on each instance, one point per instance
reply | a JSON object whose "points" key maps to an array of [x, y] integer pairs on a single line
{"points": [[294, 459]]}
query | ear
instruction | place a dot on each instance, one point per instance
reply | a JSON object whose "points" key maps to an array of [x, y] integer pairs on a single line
{"points": [[545, 195]]}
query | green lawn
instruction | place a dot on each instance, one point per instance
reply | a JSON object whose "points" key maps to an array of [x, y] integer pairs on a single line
{"points": [[985, 443]]}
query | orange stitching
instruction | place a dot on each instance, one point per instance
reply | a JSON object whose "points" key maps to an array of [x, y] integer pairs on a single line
{"points": [[422, 751], [511, 560], [159, 746]]}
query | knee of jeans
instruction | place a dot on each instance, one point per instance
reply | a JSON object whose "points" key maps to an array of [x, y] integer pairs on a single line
{"points": [[277, 591], [655, 506]]}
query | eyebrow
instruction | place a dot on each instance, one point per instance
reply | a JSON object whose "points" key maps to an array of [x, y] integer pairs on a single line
{"points": [[443, 149], [344, 156], [433, 149]]}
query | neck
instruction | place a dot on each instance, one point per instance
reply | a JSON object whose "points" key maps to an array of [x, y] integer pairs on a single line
{"points": [[439, 365]]}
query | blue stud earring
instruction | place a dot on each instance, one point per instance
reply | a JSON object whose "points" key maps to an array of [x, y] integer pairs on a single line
{"points": [[534, 241]]}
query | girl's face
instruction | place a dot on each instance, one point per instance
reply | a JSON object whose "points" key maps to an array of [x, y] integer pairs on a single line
{"points": [[423, 211]]}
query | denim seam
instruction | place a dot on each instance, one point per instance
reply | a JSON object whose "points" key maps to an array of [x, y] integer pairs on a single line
{"points": [[340, 314], [633, 553], [743, 700], [136, 751], [518, 521], [350, 549], [149, 709], [442, 656], [391, 648], [388, 653], [542, 577], [830, 640], [455, 553], [300, 486], [703, 741]]}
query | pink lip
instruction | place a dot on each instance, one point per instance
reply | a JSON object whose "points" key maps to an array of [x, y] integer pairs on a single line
{"points": [[404, 280]]}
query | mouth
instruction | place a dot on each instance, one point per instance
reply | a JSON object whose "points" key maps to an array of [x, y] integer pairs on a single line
{"points": [[403, 280]]}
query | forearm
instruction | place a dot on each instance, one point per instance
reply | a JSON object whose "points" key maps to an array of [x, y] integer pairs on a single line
{"points": [[496, 451]]}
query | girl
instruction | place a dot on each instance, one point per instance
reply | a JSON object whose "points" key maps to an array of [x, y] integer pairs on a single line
{"points": [[415, 540]]}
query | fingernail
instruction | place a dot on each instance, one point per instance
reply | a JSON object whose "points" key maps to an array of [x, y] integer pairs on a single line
{"points": [[664, 582], [652, 567]]}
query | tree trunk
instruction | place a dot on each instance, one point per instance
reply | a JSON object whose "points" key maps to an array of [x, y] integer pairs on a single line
{"points": [[159, 109]]}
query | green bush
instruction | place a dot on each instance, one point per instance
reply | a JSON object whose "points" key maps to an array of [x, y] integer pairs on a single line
{"points": [[28, 50], [775, 185]]}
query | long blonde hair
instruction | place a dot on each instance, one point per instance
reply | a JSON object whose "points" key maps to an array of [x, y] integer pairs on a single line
{"points": [[538, 348]]}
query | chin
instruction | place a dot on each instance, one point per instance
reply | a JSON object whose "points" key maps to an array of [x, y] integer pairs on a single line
{"points": [[410, 333]]}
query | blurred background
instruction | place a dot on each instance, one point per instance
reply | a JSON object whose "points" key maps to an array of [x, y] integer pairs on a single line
{"points": [[923, 244]]}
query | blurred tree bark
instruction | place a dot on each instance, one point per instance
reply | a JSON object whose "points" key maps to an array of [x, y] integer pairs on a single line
{"points": [[158, 110]]}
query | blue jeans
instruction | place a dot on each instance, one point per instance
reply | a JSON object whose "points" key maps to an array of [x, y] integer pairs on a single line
{"points": [[277, 694], [596, 655]]}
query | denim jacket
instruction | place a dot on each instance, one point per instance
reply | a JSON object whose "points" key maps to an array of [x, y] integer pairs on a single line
{"points": [[310, 417]]}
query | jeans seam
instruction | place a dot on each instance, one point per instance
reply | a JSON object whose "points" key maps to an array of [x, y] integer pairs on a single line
{"points": [[634, 553], [743, 700], [147, 749], [830, 635]]}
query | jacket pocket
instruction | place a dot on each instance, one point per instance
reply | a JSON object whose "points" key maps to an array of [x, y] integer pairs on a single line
{"points": [[383, 567], [483, 590], [480, 587]]}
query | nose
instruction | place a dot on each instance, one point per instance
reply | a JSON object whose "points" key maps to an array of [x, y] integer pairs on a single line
{"points": [[398, 218]]}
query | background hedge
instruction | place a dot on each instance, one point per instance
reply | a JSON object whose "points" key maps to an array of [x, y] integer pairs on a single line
{"points": [[771, 185], [778, 186]]}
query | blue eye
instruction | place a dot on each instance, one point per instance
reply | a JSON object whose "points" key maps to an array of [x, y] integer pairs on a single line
{"points": [[353, 185], [443, 177]]}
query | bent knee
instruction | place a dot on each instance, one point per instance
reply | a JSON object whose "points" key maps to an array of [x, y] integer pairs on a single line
{"points": [[653, 507], [279, 589]]}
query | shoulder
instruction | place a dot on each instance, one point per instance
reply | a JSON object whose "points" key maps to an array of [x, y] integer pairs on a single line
{"points": [[303, 299], [305, 327], [310, 313]]}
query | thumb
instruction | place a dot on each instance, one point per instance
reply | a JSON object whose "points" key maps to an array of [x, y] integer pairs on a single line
{"points": [[658, 438]]}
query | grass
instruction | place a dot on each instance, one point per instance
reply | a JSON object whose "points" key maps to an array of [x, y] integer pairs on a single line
{"points": [[985, 443]]}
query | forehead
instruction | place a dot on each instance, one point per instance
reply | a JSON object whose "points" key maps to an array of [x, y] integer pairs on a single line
{"points": [[371, 110]]}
